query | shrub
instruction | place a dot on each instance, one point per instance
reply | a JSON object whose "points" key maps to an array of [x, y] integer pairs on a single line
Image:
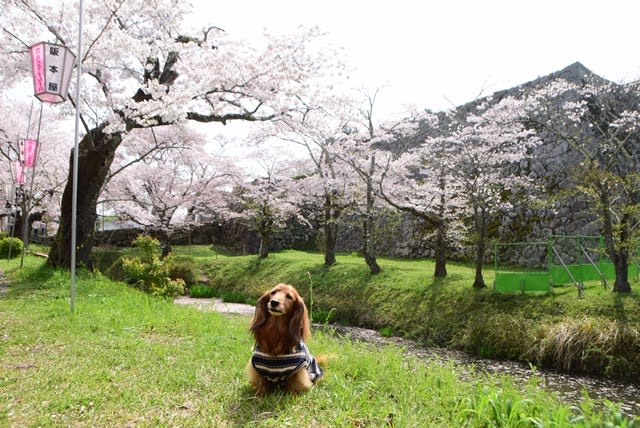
{"points": [[10, 246], [148, 246], [148, 272], [322, 316]]}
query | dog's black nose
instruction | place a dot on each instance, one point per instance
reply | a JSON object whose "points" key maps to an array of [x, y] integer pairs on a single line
{"points": [[274, 303]]}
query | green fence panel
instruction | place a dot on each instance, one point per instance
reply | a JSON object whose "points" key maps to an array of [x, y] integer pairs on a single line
{"points": [[537, 281], [587, 272], [609, 270], [559, 275], [522, 281], [508, 281], [580, 273]]}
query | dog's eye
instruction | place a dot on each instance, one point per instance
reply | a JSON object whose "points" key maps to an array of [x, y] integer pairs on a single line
{"points": [[289, 296]]}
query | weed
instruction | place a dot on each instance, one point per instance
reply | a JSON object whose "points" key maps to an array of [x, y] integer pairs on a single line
{"points": [[203, 291], [321, 316], [386, 331]]}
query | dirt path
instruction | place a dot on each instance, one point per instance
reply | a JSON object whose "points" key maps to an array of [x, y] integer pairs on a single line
{"points": [[215, 305]]}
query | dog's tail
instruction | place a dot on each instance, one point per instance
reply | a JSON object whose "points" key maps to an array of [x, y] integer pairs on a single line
{"points": [[321, 366], [323, 360]]}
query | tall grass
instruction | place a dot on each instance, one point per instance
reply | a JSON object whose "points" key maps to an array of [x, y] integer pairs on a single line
{"points": [[128, 359], [588, 344]]}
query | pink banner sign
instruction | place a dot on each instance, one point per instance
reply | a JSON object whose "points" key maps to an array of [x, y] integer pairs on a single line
{"points": [[51, 66], [37, 66], [18, 172], [28, 150]]}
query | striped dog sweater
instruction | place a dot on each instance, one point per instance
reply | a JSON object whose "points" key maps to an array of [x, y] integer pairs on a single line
{"points": [[277, 368]]}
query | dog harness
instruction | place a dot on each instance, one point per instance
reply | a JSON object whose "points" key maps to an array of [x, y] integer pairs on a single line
{"points": [[277, 368]]}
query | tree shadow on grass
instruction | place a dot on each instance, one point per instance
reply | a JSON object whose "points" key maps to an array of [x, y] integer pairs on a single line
{"points": [[26, 281], [253, 265]]}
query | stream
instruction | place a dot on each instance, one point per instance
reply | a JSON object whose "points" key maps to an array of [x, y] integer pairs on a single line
{"points": [[569, 387]]}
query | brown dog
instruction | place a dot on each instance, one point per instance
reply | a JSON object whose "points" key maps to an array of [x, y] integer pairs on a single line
{"points": [[280, 358]]}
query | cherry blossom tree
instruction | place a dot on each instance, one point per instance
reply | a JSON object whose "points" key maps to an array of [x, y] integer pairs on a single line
{"points": [[358, 151], [172, 175], [142, 68], [600, 121], [39, 196], [269, 201], [416, 182], [317, 129], [482, 152], [463, 169]]}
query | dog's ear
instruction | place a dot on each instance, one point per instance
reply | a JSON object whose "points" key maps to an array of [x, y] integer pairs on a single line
{"points": [[261, 313], [299, 328]]}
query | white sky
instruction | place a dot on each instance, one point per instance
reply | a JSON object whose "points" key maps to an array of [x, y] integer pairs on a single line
{"points": [[438, 53]]}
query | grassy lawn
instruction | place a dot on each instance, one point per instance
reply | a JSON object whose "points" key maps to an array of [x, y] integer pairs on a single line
{"points": [[598, 333], [128, 359]]}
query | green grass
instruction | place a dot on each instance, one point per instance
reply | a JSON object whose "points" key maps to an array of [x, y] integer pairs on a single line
{"points": [[127, 359], [407, 300]]}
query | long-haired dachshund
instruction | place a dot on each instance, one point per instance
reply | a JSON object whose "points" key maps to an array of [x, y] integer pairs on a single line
{"points": [[280, 358]]}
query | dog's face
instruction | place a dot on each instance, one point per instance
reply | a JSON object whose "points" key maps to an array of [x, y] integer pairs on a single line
{"points": [[282, 299], [281, 320]]}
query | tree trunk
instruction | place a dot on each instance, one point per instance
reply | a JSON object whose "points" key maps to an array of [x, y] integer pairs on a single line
{"points": [[95, 155], [620, 259], [165, 242], [264, 245], [619, 256], [481, 230], [368, 248], [441, 236], [331, 215], [374, 267], [441, 250], [621, 285], [478, 281], [368, 244], [330, 234]]}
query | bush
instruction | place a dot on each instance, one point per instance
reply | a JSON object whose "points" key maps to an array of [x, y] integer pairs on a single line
{"points": [[181, 267], [10, 246], [148, 246], [148, 272]]}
